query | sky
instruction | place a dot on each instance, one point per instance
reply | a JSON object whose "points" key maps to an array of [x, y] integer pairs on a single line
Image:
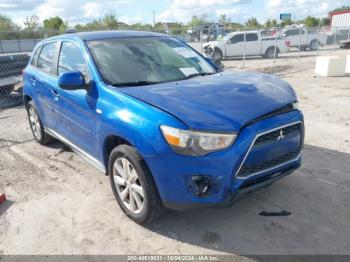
{"points": [[133, 11]]}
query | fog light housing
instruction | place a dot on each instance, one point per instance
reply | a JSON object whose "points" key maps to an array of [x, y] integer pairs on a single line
{"points": [[202, 186]]}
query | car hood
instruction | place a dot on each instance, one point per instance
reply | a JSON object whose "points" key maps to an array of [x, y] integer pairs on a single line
{"points": [[221, 102]]}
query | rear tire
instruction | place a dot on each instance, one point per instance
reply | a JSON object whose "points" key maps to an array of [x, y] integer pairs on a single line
{"points": [[133, 185], [270, 53], [36, 125], [313, 45]]}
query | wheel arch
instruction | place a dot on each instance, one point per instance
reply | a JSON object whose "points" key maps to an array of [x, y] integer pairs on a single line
{"points": [[217, 48], [111, 142], [273, 47], [315, 40], [26, 99]]}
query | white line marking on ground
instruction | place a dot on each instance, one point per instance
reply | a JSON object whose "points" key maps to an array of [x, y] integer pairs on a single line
{"points": [[8, 156], [34, 161], [327, 182], [7, 116]]}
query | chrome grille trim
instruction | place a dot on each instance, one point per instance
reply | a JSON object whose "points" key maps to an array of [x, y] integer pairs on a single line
{"points": [[252, 144]]}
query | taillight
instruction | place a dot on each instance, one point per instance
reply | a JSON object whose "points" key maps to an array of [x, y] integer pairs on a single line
{"points": [[287, 43]]}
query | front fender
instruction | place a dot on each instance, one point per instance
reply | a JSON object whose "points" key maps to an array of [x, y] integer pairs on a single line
{"points": [[214, 44], [135, 121]]}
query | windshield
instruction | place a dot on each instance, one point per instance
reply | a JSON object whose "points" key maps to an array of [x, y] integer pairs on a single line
{"points": [[147, 60]]}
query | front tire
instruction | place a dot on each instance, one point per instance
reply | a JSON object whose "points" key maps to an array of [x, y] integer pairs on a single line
{"points": [[133, 185], [36, 125], [217, 56]]}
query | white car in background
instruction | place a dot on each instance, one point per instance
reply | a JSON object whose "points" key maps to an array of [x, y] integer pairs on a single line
{"points": [[306, 38], [233, 45]]}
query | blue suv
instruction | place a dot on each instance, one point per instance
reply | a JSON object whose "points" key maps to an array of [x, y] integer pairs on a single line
{"points": [[169, 128]]}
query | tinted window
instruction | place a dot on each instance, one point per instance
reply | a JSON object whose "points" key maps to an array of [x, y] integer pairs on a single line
{"points": [[294, 32], [251, 37], [46, 57], [236, 39], [72, 59], [35, 57], [289, 33]]}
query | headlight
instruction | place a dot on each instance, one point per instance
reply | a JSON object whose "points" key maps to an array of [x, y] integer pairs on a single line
{"points": [[196, 143]]}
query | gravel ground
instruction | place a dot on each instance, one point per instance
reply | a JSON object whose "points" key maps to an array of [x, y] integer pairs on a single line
{"points": [[58, 204]]}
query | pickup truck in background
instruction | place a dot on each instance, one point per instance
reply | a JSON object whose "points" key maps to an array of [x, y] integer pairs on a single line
{"points": [[344, 44], [232, 45], [306, 38], [11, 67]]}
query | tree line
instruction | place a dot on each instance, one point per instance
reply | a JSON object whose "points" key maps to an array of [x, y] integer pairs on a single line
{"points": [[55, 25]]}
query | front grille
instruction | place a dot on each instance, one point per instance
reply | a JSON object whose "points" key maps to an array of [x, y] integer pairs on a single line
{"points": [[273, 136], [272, 149], [259, 180], [251, 169]]}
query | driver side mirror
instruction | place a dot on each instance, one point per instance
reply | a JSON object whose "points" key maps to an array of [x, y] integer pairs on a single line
{"points": [[73, 80]]}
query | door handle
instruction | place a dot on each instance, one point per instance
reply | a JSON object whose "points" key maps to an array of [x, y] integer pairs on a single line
{"points": [[55, 94], [33, 79]]}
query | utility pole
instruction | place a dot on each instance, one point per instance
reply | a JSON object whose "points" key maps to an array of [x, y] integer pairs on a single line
{"points": [[154, 19]]}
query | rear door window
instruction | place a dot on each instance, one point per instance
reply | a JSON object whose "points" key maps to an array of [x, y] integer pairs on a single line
{"points": [[294, 32], [46, 57], [251, 37]]}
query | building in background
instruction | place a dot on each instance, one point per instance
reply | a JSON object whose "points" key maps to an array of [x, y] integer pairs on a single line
{"points": [[340, 19]]}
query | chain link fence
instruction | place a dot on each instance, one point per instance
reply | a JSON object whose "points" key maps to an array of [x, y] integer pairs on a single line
{"points": [[220, 44], [270, 43]]}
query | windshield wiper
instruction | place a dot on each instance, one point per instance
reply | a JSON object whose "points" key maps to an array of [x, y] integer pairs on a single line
{"points": [[136, 83], [199, 74]]}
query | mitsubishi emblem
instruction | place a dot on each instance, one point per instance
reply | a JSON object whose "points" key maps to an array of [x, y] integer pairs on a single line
{"points": [[281, 135]]}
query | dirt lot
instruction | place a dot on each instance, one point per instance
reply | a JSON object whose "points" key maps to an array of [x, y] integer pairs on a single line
{"points": [[58, 204]]}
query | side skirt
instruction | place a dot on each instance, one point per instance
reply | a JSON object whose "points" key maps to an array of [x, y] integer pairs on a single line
{"points": [[87, 157]]}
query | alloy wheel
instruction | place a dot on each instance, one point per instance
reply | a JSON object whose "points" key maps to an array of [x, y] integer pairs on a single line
{"points": [[128, 185], [35, 123]]}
